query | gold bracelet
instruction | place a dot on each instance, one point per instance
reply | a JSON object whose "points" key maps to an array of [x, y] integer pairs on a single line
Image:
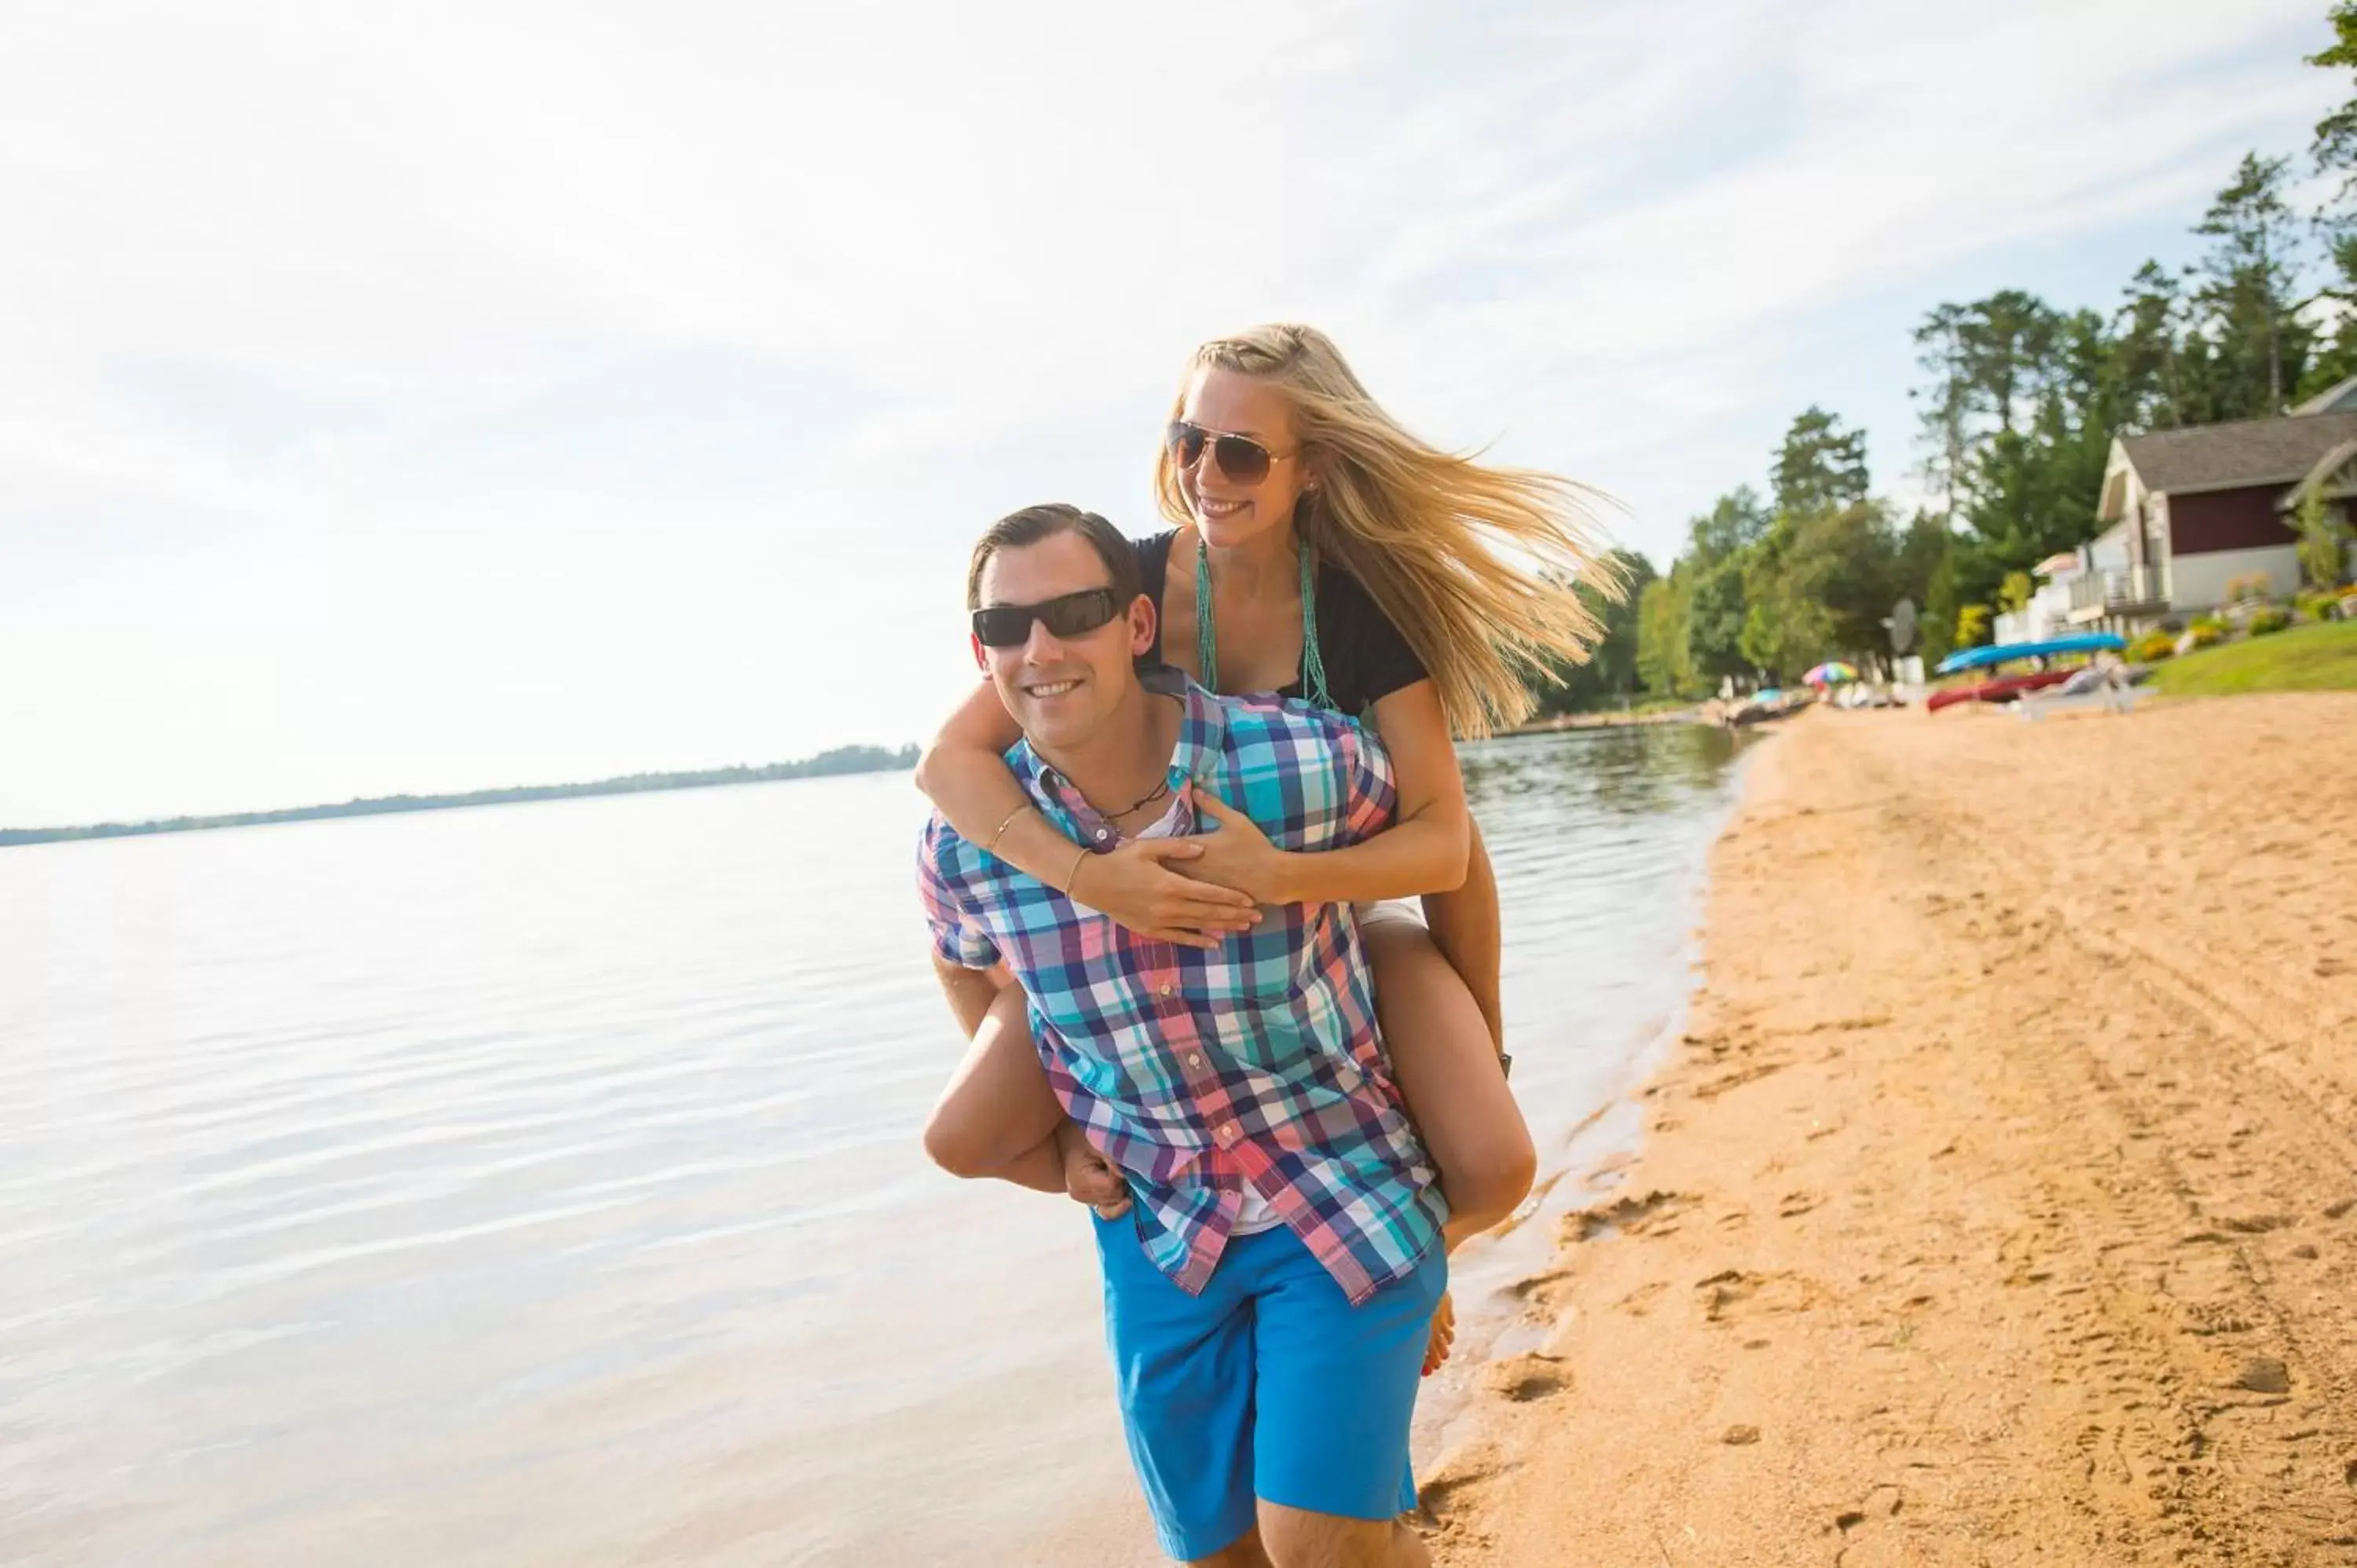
{"points": [[993, 845], [1073, 875]]}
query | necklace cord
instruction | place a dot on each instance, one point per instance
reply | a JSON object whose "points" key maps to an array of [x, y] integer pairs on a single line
{"points": [[1207, 646]]}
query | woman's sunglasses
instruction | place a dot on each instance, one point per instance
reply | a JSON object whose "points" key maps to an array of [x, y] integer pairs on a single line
{"points": [[1065, 616], [1240, 459]]}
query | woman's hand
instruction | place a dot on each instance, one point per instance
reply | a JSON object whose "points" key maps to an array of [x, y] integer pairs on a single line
{"points": [[1240, 855], [1134, 885]]}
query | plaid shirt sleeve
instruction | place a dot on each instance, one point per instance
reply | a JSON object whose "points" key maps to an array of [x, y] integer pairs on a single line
{"points": [[941, 860], [1368, 794]]}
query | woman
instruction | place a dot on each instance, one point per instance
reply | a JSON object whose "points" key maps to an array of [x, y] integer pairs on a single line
{"points": [[1320, 552]]}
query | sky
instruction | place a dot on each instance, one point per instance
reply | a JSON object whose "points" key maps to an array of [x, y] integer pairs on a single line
{"points": [[443, 396]]}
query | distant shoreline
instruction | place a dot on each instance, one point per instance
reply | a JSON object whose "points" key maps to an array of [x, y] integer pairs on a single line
{"points": [[842, 759], [1611, 719]]}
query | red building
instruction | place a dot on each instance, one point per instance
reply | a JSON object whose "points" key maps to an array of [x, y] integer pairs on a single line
{"points": [[2195, 511]]}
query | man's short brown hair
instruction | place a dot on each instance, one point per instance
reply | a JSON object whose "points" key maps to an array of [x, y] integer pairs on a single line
{"points": [[1034, 523]]}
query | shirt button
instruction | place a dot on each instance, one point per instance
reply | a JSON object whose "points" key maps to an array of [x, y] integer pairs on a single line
{"points": [[1100, 835], [1194, 1059], [1227, 1133], [1166, 988]]}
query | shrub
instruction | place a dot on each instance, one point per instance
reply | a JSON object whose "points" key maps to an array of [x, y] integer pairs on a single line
{"points": [[2205, 632], [2275, 617], [2215, 625], [2241, 590], [2317, 607], [2152, 648], [2324, 537]]}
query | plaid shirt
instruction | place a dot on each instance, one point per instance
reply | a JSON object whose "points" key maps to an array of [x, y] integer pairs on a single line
{"points": [[1198, 1071]]}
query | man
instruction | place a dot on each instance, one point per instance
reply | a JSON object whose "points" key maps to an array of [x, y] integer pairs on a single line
{"points": [[1268, 1294]]}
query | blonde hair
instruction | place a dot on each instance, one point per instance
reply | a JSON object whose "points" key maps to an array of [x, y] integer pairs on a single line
{"points": [[1479, 567]]}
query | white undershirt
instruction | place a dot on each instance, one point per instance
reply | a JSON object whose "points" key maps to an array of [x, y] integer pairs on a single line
{"points": [[1257, 1213]]}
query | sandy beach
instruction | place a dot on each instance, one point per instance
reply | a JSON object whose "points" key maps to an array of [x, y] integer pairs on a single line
{"points": [[1999, 1205]]}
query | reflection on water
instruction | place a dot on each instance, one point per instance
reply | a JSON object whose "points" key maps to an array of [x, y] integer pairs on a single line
{"points": [[539, 1185], [1639, 768]]}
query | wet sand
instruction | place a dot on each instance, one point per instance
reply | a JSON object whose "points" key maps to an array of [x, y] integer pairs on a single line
{"points": [[1999, 1205]]}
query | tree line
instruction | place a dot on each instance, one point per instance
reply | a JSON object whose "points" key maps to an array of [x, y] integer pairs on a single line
{"points": [[839, 760], [2019, 401]]}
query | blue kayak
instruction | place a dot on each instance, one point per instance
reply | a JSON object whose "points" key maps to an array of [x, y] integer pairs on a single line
{"points": [[2005, 652]]}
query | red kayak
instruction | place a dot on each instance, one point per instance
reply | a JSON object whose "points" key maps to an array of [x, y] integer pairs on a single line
{"points": [[2004, 689]]}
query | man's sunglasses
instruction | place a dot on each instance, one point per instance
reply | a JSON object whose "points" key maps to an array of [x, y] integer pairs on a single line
{"points": [[1065, 616], [1240, 459]]}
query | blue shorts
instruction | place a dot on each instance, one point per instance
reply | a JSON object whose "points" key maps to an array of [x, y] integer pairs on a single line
{"points": [[1270, 1385]]}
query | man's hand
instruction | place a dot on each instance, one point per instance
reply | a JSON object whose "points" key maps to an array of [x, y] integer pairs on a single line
{"points": [[1240, 855], [1089, 1176]]}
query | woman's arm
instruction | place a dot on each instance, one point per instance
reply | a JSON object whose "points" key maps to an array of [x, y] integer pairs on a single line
{"points": [[964, 774], [1424, 852]]}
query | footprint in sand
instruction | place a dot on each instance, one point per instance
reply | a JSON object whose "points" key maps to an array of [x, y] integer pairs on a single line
{"points": [[2264, 1375], [1635, 1216], [2256, 1224], [1732, 1288], [1527, 1378], [1884, 1501]]}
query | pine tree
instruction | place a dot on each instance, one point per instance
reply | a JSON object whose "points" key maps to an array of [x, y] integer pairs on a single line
{"points": [[2248, 278]]}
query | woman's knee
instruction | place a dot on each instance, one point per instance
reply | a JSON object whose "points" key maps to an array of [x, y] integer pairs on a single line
{"points": [[952, 1143], [1489, 1178], [998, 1105]]}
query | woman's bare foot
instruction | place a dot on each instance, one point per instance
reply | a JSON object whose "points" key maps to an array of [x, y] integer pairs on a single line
{"points": [[1444, 1334], [1089, 1177]]}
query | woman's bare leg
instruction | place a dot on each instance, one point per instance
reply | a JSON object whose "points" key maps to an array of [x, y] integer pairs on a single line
{"points": [[997, 1111], [1447, 1063], [999, 1119], [1446, 1059]]}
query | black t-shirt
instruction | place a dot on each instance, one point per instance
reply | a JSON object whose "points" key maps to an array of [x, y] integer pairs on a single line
{"points": [[1366, 658]]}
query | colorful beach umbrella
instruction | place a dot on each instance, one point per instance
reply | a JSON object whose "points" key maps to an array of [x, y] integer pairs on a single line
{"points": [[1832, 673]]}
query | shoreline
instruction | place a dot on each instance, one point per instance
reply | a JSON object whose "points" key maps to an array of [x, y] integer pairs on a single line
{"points": [[2000, 1202]]}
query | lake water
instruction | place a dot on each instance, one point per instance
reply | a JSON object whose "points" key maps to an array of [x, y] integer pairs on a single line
{"points": [[539, 1185]]}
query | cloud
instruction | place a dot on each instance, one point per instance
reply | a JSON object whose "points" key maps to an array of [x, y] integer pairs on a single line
{"points": [[394, 398]]}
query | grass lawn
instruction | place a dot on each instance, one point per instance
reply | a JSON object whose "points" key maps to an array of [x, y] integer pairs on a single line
{"points": [[2316, 657]]}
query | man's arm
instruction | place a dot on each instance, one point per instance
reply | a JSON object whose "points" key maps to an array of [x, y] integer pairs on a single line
{"points": [[970, 991]]}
